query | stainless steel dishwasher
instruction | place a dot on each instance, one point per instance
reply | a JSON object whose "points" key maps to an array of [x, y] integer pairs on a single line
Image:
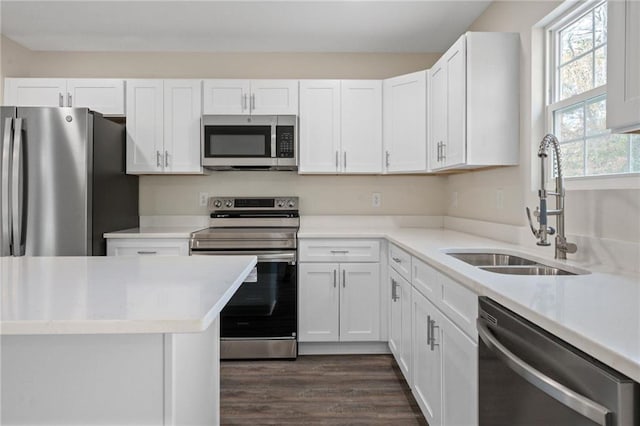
{"points": [[530, 377]]}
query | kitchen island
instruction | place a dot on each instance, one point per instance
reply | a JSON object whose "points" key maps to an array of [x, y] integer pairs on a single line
{"points": [[113, 340]]}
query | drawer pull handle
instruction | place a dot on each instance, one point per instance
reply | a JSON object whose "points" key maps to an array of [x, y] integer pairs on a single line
{"points": [[339, 251], [147, 252], [397, 259], [394, 290]]}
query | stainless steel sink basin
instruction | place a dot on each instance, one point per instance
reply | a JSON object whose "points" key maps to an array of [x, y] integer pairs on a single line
{"points": [[502, 263], [527, 270], [491, 259]]}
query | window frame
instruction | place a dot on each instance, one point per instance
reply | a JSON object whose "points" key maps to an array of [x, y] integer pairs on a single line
{"points": [[628, 180]]}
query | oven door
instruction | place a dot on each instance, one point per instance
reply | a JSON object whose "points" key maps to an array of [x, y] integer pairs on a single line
{"points": [[265, 305]]}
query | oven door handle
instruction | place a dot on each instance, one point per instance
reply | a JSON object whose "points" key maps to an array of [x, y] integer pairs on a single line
{"points": [[571, 399], [289, 257]]}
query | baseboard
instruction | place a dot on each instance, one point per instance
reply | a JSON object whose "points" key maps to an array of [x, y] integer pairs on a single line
{"points": [[344, 348]]}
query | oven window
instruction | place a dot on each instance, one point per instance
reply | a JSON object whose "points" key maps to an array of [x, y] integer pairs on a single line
{"points": [[264, 306], [237, 141]]}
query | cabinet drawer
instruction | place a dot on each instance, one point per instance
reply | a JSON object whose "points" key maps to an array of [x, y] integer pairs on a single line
{"points": [[338, 250], [460, 305], [426, 279], [400, 261], [154, 247]]}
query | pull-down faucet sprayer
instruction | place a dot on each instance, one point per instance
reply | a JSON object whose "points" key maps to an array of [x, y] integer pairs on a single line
{"points": [[542, 212]]}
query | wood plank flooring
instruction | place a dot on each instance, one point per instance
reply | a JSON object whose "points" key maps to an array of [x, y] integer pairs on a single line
{"points": [[317, 390]]}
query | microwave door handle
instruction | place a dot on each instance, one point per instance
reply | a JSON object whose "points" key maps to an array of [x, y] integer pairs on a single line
{"points": [[5, 230], [567, 397], [273, 142]]}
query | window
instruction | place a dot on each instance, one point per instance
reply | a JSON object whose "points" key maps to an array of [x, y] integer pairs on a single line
{"points": [[577, 107]]}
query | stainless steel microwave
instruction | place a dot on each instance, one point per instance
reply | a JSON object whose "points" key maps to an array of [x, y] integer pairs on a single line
{"points": [[240, 142]]}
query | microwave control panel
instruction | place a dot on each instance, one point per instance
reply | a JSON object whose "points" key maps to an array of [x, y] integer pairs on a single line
{"points": [[285, 142]]}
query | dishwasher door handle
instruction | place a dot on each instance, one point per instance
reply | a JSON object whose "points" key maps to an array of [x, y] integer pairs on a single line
{"points": [[579, 403]]}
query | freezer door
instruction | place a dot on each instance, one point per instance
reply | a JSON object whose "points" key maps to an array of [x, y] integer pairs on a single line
{"points": [[55, 190], [7, 114]]}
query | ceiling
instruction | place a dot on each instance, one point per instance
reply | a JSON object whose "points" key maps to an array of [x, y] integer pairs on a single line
{"points": [[239, 26]]}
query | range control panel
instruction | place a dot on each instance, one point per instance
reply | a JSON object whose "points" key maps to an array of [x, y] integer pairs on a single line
{"points": [[253, 203]]}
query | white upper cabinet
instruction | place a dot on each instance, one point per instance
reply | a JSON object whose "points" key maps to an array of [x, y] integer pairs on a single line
{"points": [[241, 97], [182, 126], [228, 97], [274, 97], [405, 123], [474, 103], [340, 126], [103, 95], [319, 126], [163, 126], [48, 92], [361, 126], [623, 66]]}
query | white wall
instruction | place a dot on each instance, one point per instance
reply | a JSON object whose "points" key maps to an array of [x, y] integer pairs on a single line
{"points": [[603, 214]]}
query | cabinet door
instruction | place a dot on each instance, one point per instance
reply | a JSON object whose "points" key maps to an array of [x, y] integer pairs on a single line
{"points": [[437, 113], [405, 123], [427, 377], [395, 315], [103, 95], [456, 65], [226, 97], [319, 126], [460, 376], [623, 66], [318, 302], [400, 324], [361, 126], [182, 114], [359, 302], [145, 152], [274, 97], [48, 92]]}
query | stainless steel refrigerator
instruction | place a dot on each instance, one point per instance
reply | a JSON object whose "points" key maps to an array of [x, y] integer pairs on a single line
{"points": [[63, 182]]}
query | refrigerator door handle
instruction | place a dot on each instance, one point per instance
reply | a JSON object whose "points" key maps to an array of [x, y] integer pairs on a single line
{"points": [[16, 193], [5, 226]]}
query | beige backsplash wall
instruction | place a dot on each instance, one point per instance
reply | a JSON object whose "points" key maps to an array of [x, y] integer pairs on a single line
{"points": [[411, 195], [613, 214]]}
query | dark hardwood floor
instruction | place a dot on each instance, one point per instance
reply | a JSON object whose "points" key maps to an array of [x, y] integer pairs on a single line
{"points": [[328, 390]]}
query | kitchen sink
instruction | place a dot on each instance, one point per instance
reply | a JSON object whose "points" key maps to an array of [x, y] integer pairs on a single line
{"points": [[501, 263], [527, 270], [491, 259]]}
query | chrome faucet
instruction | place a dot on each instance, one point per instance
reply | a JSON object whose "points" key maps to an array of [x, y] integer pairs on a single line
{"points": [[542, 212]]}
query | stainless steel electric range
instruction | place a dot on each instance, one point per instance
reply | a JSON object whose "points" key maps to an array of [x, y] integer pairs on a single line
{"points": [[260, 320]]}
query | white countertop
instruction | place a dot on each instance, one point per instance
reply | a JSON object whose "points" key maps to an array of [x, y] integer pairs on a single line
{"points": [[154, 232], [128, 294], [598, 313]]}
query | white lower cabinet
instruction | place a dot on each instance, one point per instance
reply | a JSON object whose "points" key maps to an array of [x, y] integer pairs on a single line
{"points": [[400, 328], [433, 338], [338, 302], [427, 358]]}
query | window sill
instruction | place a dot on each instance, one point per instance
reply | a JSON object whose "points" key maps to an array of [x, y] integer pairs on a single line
{"points": [[603, 182]]}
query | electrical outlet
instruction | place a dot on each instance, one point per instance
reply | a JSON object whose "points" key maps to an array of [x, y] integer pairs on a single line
{"points": [[376, 199], [499, 198], [203, 198], [454, 199]]}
